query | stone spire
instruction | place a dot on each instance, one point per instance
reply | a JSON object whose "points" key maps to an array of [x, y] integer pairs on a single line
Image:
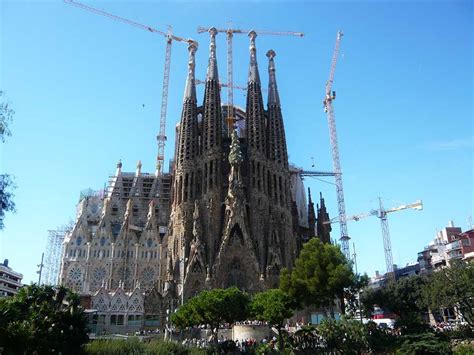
{"points": [[253, 69], [273, 97], [276, 140], [212, 121], [212, 67], [119, 168], [190, 89], [187, 149], [323, 228], [311, 215], [139, 168], [254, 108]]}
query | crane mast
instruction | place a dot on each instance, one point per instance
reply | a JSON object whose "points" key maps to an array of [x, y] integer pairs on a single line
{"points": [[161, 137], [382, 213], [387, 244], [328, 108], [230, 82]]}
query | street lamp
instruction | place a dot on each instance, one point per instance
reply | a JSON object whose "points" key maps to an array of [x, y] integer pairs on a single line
{"points": [[182, 262]]}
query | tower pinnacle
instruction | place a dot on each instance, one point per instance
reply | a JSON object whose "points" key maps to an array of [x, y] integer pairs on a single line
{"points": [[273, 97], [139, 168], [253, 70], [119, 168], [190, 90], [212, 68]]}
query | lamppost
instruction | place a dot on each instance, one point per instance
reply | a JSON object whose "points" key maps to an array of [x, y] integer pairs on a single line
{"points": [[169, 312], [182, 262]]}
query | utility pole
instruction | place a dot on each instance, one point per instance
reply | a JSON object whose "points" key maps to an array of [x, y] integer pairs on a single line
{"points": [[354, 257], [40, 271]]}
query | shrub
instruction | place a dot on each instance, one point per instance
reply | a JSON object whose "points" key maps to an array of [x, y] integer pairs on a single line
{"points": [[306, 340], [166, 348], [133, 346], [115, 347], [424, 343], [381, 341], [345, 336], [460, 332], [464, 349]]}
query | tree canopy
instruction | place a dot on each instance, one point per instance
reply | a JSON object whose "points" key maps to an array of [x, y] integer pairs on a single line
{"points": [[6, 115], [42, 319], [213, 307], [453, 287], [272, 306], [404, 297], [6, 181], [321, 273]]}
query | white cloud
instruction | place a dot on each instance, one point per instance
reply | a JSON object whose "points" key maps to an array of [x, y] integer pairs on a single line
{"points": [[453, 144]]}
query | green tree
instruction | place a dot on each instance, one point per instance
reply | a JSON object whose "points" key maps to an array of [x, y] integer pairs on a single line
{"points": [[6, 117], [453, 287], [344, 336], [6, 181], [404, 297], [352, 294], [42, 319], [213, 308], [321, 273], [272, 306]]}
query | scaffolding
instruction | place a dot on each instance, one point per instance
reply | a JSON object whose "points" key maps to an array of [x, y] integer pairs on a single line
{"points": [[54, 245]]}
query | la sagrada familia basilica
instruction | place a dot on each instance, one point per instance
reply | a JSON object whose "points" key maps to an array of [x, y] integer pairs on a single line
{"points": [[231, 211]]}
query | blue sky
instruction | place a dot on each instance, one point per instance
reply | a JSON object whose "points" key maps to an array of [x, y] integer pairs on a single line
{"points": [[404, 110]]}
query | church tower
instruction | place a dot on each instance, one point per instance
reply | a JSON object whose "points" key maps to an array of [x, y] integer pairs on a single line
{"points": [[323, 226], [184, 182], [212, 152], [281, 250], [231, 222]]}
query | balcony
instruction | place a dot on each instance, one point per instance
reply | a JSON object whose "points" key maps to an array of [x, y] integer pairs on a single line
{"points": [[11, 281], [453, 245]]}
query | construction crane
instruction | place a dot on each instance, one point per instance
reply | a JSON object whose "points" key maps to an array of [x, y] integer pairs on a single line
{"points": [[230, 33], [328, 108], [161, 137], [307, 173], [221, 84], [381, 213]]}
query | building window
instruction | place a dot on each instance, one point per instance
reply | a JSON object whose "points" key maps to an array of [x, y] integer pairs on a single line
{"points": [[120, 319]]}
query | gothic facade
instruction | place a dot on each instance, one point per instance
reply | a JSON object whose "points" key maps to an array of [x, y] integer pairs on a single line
{"points": [[234, 219], [231, 212], [116, 238]]}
